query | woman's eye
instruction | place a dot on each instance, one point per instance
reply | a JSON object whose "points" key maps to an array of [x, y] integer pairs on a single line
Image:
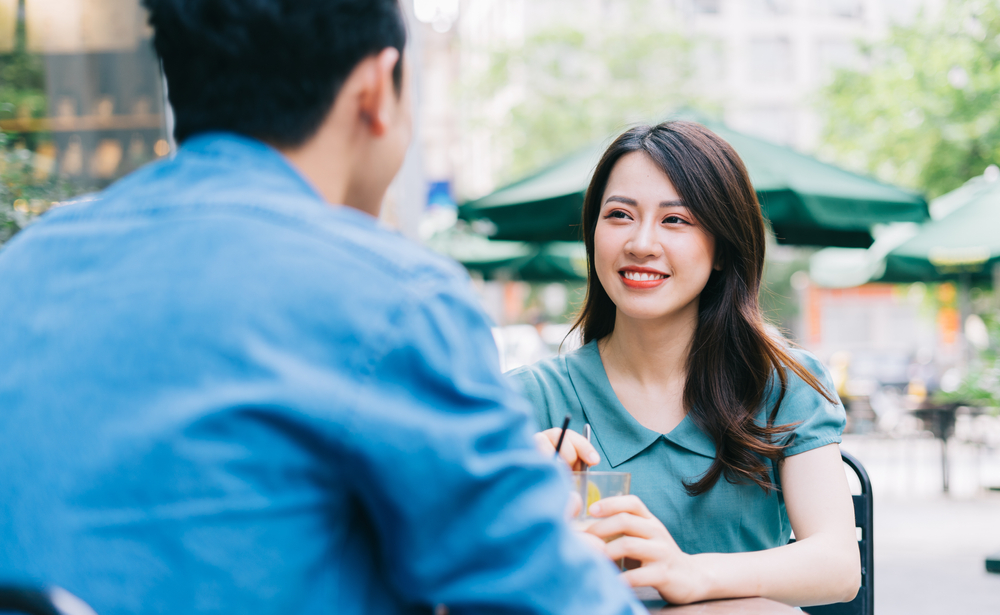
{"points": [[618, 214], [674, 220]]}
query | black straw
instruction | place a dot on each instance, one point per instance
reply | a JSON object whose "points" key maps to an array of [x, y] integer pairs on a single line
{"points": [[562, 434]]}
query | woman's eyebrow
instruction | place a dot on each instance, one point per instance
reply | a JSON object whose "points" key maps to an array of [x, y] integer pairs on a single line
{"points": [[621, 199], [626, 200]]}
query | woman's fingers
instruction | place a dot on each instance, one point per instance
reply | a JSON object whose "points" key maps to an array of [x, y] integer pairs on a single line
{"points": [[575, 449], [594, 542], [646, 576], [641, 549], [574, 505], [628, 524], [543, 443], [620, 504], [676, 582]]}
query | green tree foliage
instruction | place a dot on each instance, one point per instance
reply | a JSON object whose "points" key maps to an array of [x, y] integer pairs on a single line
{"points": [[27, 189], [569, 84], [981, 384], [925, 110], [22, 86]]}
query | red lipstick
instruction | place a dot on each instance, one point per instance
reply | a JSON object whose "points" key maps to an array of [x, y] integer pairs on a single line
{"points": [[658, 277]]}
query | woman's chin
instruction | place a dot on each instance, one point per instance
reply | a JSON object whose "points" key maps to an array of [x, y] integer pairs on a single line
{"points": [[645, 316], [655, 314]]}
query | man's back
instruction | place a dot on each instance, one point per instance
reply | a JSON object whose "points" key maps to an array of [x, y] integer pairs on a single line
{"points": [[222, 395]]}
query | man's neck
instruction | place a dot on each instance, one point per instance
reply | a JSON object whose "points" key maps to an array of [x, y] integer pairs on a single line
{"points": [[323, 167]]}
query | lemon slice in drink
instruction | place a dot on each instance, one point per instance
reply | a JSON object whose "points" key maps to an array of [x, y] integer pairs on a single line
{"points": [[593, 493]]}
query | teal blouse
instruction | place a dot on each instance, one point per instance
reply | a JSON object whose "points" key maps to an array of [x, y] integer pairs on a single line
{"points": [[728, 518]]}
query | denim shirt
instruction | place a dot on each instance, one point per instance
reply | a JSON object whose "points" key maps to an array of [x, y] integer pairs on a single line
{"points": [[220, 394], [729, 517]]}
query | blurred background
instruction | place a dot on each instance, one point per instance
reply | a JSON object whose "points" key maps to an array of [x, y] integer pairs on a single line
{"points": [[871, 129]]}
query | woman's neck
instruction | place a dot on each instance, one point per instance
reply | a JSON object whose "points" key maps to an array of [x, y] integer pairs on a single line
{"points": [[646, 363], [650, 351]]}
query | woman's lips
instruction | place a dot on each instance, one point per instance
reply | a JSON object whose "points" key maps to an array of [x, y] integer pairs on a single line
{"points": [[646, 279]]}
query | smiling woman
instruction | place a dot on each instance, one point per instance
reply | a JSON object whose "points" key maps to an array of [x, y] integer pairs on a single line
{"points": [[646, 238], [731, 437]]}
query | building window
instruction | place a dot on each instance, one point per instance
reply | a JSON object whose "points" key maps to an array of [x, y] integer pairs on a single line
{"points": [[769, 7], [707, 7], [770, 60], [835, 54], [848, 9], [82, 96], [774, 124], [709, 60]]}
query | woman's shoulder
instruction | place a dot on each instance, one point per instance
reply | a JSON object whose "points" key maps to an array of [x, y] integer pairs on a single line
{"points": [[819, 415], [807, 360], [544, 374], [797, 385], [547, 384]]}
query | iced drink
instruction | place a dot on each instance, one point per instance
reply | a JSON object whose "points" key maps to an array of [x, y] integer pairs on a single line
{"points": [[594, 486]]}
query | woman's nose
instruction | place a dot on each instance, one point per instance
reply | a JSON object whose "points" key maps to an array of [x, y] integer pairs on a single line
{"points": [[644, 241]]}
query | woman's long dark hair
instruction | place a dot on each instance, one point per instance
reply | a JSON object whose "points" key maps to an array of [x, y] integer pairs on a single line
{"points": [[732, 361]]}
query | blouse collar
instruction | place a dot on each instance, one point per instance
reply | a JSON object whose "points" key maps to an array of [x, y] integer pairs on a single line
{"points": [[620, 436]]}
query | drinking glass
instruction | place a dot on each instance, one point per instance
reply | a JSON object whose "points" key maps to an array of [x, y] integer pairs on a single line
{"points": [[594, 486]]}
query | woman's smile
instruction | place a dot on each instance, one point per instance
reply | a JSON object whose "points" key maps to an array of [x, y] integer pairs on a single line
{"points": [[641, 277]]}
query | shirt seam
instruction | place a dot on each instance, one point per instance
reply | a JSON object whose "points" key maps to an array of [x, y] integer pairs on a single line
{"points": [[809, 445]]}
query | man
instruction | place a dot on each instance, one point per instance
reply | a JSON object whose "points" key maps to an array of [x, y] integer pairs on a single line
{"points": [[225, 388]]}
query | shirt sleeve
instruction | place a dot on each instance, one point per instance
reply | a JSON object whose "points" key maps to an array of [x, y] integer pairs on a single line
{"points": [[820, 422], [468, 513]]}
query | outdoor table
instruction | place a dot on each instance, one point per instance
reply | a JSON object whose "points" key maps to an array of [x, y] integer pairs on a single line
{"points": [[940, 421], [739, 606]]}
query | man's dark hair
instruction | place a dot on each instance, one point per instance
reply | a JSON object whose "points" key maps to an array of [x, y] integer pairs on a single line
{"points": [[269, 69]]}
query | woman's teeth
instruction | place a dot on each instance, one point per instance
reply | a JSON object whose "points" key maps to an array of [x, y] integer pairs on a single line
{"points": [[642, 277]]}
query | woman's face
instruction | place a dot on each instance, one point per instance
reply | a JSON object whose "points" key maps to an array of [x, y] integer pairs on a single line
{"points": [[651, 255]]}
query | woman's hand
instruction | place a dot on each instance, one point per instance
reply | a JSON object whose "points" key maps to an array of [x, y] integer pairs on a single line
{"points": [[575, 450], [634, 533]]}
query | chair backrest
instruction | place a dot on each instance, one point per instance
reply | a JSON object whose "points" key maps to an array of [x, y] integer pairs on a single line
{"points": [[38, 601], [864, 602]]}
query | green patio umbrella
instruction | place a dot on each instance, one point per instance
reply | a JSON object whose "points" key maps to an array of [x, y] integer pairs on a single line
{"points": [[806, 201], [963, 239], [961, 242], [554, 261], [489, 258]]}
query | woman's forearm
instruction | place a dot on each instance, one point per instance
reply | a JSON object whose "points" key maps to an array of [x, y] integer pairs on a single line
{"points": [[820, 570]]}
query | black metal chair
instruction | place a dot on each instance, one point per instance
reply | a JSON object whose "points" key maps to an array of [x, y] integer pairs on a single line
{"points": [[38, 601], [864, 602]]}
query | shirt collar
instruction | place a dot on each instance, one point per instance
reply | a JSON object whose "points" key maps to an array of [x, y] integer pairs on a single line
{"points": [[248, 154], [619, 435], [267, 172]]}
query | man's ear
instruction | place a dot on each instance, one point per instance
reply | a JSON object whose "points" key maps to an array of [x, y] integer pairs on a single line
{"points": [[378, 91]]}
